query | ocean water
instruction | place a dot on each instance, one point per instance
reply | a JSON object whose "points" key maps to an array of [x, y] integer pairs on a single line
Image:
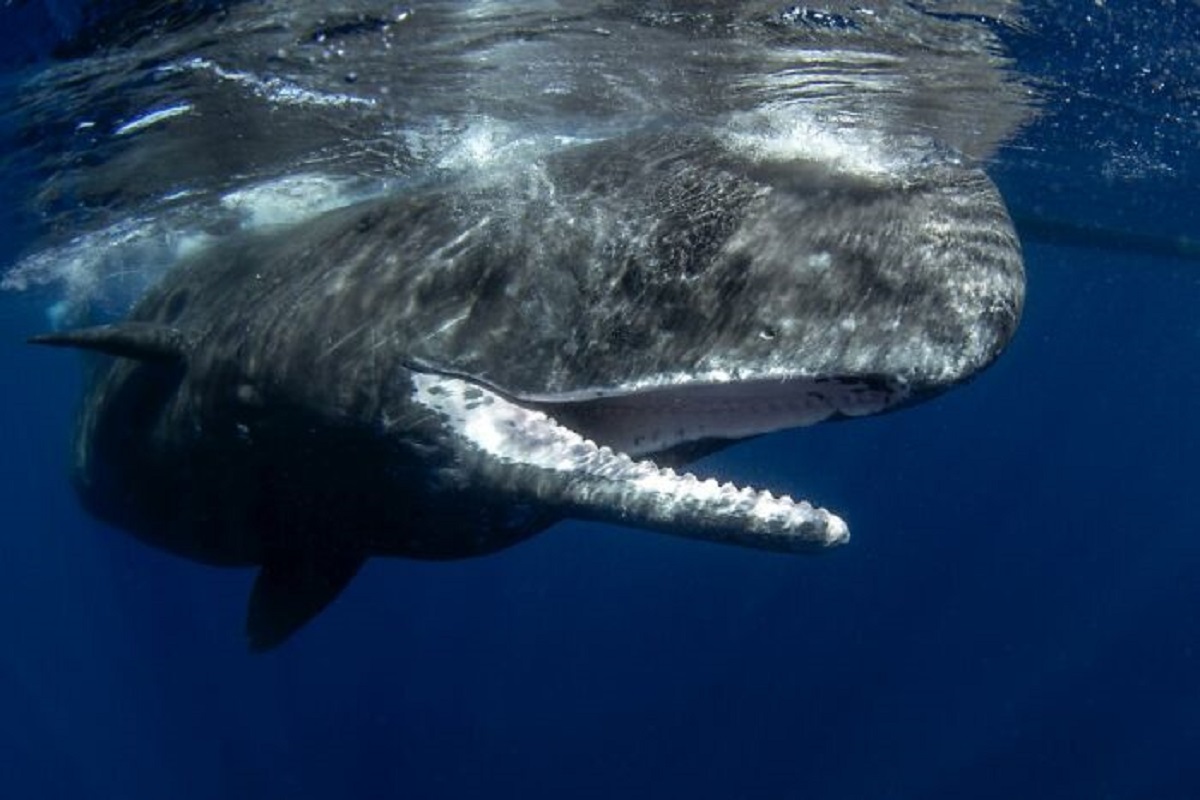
{"points": [[1017, 615]]}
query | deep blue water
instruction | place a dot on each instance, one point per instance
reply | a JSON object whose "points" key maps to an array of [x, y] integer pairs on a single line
{"points": [[1018, 614]]}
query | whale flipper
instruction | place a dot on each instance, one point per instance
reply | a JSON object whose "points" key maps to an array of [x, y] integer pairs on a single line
{"points": [[144, 341], [292, 588]]}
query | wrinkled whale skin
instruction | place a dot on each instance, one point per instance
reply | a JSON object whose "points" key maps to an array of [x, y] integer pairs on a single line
{"points": [[308, 397]]}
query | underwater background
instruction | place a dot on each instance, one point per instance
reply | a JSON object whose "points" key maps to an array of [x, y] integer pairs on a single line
{"points": [[1017, 615]]}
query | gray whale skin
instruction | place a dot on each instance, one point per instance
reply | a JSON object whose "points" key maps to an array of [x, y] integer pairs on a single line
{"points": [[446, 371]]}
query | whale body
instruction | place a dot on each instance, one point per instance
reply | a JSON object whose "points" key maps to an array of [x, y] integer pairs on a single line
{"points": [[447, 370]]}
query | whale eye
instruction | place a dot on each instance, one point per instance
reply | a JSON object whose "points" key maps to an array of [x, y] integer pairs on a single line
{"points": [[768, 333]]}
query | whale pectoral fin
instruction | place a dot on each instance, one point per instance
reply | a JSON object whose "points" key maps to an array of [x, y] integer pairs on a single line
{"points": [[291, 589], [145, 341]]}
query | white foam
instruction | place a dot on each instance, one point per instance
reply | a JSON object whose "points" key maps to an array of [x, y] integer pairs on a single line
{"points": [[152, 118], [485, 143], [792, 136], [275, 90], [291, 199], [102, 273]]}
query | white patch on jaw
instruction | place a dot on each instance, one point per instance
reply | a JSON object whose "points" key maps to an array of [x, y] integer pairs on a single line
{"points": [[605, 484], [501, 429]]}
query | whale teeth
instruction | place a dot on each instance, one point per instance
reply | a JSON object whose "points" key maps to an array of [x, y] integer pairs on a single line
{"points": [[542, 452]]}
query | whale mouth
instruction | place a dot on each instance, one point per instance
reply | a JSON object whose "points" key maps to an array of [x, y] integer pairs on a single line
{"points": [[667, 418], [651, 419], [580, 455]]}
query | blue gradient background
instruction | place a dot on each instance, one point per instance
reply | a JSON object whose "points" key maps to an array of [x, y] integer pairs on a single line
{"points": [[1017, 615]]}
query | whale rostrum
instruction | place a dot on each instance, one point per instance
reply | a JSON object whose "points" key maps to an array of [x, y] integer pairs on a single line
{"points": [[446, 370]]}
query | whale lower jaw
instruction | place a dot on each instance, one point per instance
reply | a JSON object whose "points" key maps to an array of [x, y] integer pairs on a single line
{"points": [[531, 456]]}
